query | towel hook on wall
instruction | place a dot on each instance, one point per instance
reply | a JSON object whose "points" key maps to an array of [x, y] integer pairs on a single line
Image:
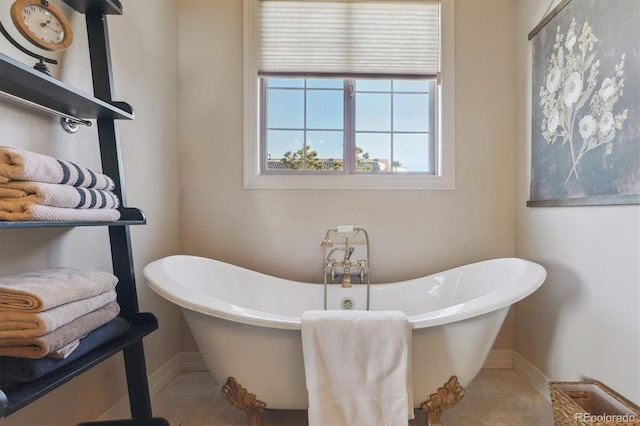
{"points": [[68, 122]]}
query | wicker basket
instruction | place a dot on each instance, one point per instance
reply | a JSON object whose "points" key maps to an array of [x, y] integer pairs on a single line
{"points": [[590, 403]]}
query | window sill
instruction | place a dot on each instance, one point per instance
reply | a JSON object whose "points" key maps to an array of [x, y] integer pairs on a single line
{"points": [[396, 182]]}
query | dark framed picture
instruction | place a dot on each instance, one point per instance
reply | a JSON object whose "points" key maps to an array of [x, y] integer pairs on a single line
{"points": [[585, 124]]}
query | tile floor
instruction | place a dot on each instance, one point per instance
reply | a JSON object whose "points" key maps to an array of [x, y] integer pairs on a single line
{"points": [[497, 397]]}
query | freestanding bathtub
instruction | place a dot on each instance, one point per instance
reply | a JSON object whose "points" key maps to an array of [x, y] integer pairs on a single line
{"points": [[247, 324]]}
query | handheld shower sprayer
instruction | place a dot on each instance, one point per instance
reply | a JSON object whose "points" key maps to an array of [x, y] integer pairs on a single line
{"points": [[326, 242]]}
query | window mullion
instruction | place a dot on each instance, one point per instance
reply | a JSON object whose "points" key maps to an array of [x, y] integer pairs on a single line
{"points": [[433, 129], [304, 126], [391, 134], [263, 125], [349, 151]]}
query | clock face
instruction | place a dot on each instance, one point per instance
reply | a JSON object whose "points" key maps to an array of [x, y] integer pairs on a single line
{"points": [[42, 24]]}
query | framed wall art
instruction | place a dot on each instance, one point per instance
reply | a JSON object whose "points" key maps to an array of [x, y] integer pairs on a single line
{"points": [[585, 124]]}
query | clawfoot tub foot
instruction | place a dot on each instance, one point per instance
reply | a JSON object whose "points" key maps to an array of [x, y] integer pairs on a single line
{"points": [[238, 396], [446, 397]]}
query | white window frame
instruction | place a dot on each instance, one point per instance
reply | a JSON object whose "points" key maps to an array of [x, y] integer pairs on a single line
{"points": [[444, 179]]}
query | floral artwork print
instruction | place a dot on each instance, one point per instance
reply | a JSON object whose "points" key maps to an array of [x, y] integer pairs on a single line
{"points": [[586, 96], [567, 89]]}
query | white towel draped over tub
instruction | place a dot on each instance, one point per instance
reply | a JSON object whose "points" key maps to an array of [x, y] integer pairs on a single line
{"points": [[357, 367]]}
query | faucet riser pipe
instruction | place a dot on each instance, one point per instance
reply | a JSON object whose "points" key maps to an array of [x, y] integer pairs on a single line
{"points": [[361, 252]]}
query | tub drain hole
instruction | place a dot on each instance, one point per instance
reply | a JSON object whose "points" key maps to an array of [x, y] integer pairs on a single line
{"points": [[347, 303]]}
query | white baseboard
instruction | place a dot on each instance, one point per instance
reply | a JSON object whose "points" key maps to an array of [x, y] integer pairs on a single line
{"points": [[192, 361], [536, 378], [499, 358], [506, 358], [157, 380]]}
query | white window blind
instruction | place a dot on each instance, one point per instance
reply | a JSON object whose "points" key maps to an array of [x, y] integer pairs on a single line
{"points": [[393, 38]]}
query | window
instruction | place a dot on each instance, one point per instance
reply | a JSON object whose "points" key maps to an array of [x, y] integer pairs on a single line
{"points": [[328, 109], [347, 126]]}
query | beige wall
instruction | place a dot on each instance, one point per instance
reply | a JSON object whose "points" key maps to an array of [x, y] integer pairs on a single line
{"points": [[278, 232], [145, 72], [584, 323]]}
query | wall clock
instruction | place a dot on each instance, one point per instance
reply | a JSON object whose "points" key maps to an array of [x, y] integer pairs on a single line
{"points": [[42, 24]]}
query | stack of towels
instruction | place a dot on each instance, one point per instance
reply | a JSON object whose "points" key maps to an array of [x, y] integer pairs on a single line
{"points": [[37, 187], [50, 317]]}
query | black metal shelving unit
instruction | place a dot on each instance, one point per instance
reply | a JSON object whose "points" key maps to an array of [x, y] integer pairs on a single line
{"points": [[34, 86]]}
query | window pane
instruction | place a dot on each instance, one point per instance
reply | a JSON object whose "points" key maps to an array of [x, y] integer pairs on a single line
{"points": [[285, 109], [411, 152], [325, 109], [279, 142], [411, 113], [375, 152], [325, 83], [285, 82], [373, 85], [325, 150], [411, 86], [373, 112]]}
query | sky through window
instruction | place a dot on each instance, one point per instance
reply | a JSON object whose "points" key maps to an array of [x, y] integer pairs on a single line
{"points": [[384, 110]]}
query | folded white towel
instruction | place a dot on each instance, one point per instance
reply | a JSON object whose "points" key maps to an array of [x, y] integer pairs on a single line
{"points": [[22, 194], [19, 164], [38, 212], [41, 346], [24, 324], [357, 367], [41, 290]]}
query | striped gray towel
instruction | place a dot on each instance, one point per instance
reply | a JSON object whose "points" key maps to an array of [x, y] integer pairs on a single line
{"points": [[22, 194], [19, 164]]}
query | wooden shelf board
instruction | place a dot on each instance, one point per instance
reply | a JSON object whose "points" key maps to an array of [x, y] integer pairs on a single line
{"points": [[25, 82], [103, 7], [129, 216]]}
